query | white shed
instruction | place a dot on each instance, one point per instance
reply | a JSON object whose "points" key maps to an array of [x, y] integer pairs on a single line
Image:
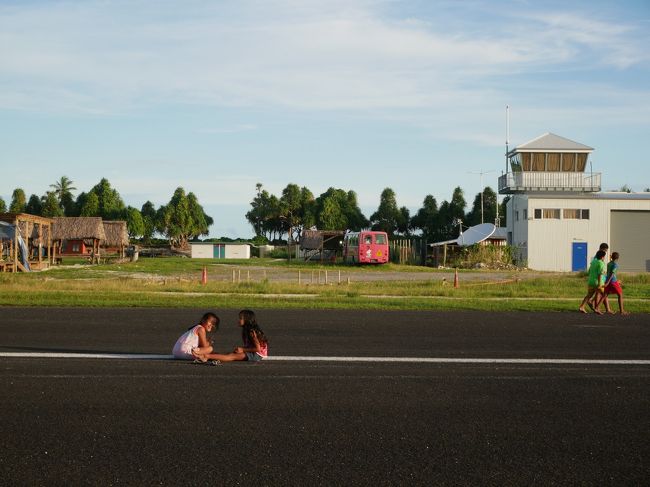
{"points": [[216, 250]]}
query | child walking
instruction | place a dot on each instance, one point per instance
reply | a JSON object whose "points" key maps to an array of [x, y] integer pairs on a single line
{"points": [[594, 299], [255, 345], [613, 286], [595, 283], [195, 339]]}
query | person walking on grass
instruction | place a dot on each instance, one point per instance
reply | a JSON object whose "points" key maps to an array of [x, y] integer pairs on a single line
{"points": [[595, 283], [255, 345], [195, 339], [613, 286]]}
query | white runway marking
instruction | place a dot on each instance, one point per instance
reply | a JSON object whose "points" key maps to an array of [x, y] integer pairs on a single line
{"points": [[293, 358]]}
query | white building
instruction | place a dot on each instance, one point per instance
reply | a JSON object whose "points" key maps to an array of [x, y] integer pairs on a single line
{"points": [[212, 250], [557, 216]]}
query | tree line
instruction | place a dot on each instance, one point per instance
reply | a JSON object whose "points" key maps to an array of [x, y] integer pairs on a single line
{"points": [[296, 208], [273, 218], [180, 220]]}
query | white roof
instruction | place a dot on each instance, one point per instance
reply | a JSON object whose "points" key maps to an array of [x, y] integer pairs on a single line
{"points": [[551, 143]]}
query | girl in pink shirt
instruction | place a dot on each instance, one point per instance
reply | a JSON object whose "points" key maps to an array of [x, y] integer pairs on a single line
{"points": [[255, 346]]}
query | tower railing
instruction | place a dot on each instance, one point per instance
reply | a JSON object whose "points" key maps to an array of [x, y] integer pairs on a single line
{"points": [[522, 181]]}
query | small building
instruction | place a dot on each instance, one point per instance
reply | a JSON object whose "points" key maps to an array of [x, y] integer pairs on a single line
{"points": [[216, 250], [321, 244], [78, 236], [482, 234], [117, 237], [557, 215]]}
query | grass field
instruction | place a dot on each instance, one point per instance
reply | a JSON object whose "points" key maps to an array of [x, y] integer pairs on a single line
{"points": [[265, 283]]}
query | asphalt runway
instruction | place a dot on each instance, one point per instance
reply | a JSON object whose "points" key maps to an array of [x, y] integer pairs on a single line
{"points": [[84, 421]]}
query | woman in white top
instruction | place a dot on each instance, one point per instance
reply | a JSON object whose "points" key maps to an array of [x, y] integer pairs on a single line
{"points": [[195, 339]]}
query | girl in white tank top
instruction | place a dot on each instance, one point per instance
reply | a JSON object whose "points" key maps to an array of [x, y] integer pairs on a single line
{"points": [[195, 341]]}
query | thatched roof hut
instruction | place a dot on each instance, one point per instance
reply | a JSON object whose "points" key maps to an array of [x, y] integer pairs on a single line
{"points": [[78, 228], [117, 234]]}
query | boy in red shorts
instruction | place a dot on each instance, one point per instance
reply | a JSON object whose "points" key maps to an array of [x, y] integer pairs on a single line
{"points": [[613, 285]]}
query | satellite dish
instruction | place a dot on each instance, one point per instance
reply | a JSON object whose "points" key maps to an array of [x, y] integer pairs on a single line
{"points": [[476, 234]]}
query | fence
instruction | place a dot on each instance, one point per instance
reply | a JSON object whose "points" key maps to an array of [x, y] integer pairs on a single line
{"points": [[408, 251]]}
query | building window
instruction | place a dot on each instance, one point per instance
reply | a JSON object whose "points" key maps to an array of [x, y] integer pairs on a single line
{"points": [[547, 213], [525, 214], [575, 214], [76, 247], [517, 215], [551, 213]]}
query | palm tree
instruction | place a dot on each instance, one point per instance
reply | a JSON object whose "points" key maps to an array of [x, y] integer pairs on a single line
{"points": [[63, 190], [63, 187]]}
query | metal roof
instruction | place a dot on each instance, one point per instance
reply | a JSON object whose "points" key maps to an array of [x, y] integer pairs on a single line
{"points": [[551, 143]]}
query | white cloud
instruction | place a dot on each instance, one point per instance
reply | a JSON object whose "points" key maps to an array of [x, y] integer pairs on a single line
{"points": [[107, 57]]}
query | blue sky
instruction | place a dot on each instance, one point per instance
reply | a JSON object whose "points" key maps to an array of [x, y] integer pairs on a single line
{"points": [[356, 94]]}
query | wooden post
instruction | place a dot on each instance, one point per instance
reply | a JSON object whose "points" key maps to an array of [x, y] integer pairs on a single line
{"points": [[298, 277], [40, 243], [50, 250], [15, 246]]}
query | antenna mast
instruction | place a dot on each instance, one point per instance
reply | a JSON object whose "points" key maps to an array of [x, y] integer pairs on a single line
{"points": [[507, 134]]}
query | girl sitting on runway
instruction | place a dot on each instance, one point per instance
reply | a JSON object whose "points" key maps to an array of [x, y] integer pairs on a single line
{"points": [[196, 338], [255, 344]]}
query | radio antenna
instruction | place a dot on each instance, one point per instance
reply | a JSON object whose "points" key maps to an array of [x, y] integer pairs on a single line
{"points": [[507, 134]]}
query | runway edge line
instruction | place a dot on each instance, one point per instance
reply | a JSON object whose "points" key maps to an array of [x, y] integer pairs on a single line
{"points": [[292, 358]]}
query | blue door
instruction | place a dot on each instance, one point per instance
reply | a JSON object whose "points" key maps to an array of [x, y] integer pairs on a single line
{"points": [[579, 256], [219, 251]]}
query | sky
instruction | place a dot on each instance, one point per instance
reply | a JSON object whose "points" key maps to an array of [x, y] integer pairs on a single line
{"points": [[216, 96]]}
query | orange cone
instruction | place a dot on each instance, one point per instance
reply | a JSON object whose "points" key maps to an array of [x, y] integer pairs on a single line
{"points": [[204, 276], [456, 279]]}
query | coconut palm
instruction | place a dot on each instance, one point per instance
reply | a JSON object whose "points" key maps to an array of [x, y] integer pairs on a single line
{"points": [[63, 190]]}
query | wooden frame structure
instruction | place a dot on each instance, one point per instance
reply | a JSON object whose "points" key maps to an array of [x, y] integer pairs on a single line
{"points": [[314, 242], [34, 230]]}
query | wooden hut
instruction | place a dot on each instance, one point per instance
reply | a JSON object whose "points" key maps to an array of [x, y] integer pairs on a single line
{"points": [[321, 244], [117, 237], [79, 236], [35, 231]]}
